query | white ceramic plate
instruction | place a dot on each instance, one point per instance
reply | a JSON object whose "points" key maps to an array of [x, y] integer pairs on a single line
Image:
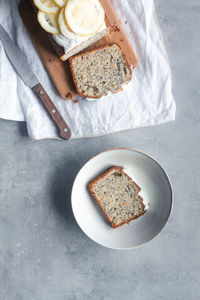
{"points": [[155, 190]]}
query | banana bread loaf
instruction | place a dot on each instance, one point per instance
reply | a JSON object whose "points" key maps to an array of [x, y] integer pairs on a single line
{"points": [[98, 72]]}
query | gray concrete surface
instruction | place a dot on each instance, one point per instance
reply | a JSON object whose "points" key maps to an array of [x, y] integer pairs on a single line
{"points": [[43, 253]]}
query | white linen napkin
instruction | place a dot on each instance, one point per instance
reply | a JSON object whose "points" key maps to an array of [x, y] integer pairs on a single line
{"points": [[146, 101]]}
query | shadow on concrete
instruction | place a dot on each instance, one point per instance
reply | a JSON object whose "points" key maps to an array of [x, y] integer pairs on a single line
{"points": [[61, 186], [23, 129]]}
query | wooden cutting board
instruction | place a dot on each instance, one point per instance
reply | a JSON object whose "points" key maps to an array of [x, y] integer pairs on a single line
{"points": [[60, 71]]}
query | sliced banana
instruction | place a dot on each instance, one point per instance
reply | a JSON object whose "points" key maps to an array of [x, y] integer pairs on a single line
{"points": [[48, 22], [84, 17], [47, 6], [64, 28], [60, 3]]}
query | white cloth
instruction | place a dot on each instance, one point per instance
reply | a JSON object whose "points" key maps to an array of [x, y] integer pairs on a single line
{"points": [[146, 101]]}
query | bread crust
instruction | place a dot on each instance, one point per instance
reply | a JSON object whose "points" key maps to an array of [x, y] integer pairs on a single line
{"points": [[90, 187], [91, 51]]}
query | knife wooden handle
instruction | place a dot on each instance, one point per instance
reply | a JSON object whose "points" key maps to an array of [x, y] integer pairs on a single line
{"points": [[65, 132]]}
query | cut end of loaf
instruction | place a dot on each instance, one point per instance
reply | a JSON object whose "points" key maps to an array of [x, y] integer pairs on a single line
{"points": [[98, 72], [117, 195]]}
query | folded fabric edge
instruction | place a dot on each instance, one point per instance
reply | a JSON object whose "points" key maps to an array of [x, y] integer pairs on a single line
{"points": [[13, 119], [164, 48], [169, 120]]}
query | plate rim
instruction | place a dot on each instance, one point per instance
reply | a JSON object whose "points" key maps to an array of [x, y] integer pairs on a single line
{"points": [[171, 192]]}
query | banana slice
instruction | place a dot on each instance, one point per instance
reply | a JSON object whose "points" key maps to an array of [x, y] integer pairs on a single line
{"points": [[48, 22], [47, 6], [85, 17], [60, 3], [64, 28]]}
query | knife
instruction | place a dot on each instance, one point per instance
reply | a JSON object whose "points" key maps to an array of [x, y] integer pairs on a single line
{"points": [[22, 67]]}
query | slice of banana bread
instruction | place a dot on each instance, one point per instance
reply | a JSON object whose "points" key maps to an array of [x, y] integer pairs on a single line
{"points": [[98, 72], [117, 195]]}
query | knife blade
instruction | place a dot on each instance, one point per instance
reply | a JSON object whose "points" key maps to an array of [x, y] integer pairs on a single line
{"points": [[24, 70]]}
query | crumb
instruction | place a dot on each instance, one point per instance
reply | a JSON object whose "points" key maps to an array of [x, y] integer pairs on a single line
{"points": [[114, 28], [121, 40], [69, 95], [126, 22], [76, 101]]}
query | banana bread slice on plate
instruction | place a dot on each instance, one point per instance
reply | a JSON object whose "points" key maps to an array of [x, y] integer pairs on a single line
{"points": [[117, 195], [99, 72]]}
